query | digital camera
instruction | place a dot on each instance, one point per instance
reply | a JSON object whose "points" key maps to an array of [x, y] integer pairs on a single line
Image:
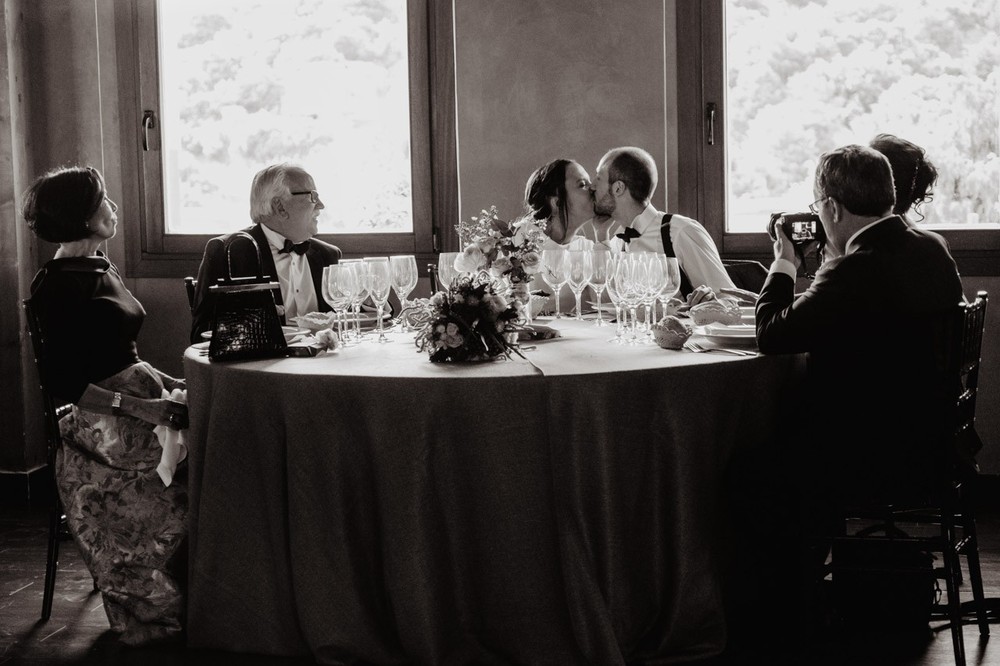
{"points": [[802, 228]]}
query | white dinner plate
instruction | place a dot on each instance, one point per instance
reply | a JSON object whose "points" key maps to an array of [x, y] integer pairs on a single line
{"points": [[737, 334]]}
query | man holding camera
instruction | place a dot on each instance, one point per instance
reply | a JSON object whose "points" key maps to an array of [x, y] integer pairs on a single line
{"points": [[871, 320]]}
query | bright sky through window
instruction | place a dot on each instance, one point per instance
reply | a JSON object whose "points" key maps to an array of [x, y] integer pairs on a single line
{"points": [[807, 77], [320, 83]]}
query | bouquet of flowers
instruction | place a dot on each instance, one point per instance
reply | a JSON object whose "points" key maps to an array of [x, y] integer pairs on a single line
{"points": [[508, 250], [469, 321]]}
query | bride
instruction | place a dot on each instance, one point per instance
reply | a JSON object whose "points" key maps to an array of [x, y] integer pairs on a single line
{"points": [[559, 193]]}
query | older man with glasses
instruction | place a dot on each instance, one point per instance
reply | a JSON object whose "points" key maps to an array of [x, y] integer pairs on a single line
{"points": [[285, 208]]}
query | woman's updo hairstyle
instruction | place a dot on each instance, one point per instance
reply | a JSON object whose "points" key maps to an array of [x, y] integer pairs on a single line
{"points": [[913, 175], [547, 181], [59, 204]]}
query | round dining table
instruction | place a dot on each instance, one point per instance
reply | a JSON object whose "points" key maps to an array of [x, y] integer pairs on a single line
{"points": [[568, 507]]}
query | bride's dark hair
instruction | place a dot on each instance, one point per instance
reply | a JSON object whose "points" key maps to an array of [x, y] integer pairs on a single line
{"points": [[548, 180], [913, 175]]}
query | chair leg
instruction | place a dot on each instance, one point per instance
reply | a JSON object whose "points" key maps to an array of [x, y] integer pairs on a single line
{"points": [[976, 575], [954, 606], [51, 561]]}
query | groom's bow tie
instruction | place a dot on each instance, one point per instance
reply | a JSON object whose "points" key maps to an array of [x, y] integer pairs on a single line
{"points": [[628, 234], [297, 248]]}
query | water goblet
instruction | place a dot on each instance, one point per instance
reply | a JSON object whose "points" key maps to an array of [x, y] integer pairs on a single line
{"points": [[614, 294], [404, 279], [379, 282], [579, 269], [602, 263], [554, 273]]}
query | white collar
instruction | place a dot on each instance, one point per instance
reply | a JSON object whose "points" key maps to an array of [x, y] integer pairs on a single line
{"points": [[847, 246], [646, 219], [274, 239]]}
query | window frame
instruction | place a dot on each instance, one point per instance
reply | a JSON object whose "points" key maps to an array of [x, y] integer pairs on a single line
{"points": [[150, 252], [702, 191]]}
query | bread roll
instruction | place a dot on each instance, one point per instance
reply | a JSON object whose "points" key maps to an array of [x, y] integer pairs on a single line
{"points": [[671, 333], [720, 311]]}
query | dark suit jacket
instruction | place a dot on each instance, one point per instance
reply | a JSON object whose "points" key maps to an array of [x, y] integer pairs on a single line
{"points": [[871, 322], [244, 263]]}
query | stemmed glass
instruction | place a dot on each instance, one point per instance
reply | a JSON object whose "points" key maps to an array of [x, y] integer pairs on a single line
{"points": [[446, 268], [404, 279], [614, 293], [339, 285], [554, 273], [602, 263], [379, 282], [671, 282], [360, 269], [579, 268]]}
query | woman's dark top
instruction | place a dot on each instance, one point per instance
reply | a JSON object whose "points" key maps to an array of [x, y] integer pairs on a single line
{"points": [[89, 322]]}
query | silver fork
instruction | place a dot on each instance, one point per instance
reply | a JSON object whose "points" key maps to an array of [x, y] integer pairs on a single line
{"points": [[695, 347]]}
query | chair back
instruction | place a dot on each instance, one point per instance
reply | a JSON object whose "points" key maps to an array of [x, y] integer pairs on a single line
{"points": [[963, 353], [52, 411], [189, 285], [746, 273]]}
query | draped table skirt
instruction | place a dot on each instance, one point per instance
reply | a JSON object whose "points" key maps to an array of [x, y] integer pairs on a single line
{"points": [[567, 508]]}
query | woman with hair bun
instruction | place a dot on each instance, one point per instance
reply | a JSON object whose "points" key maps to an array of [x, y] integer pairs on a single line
{"points": [[124, 496], [913, 175], [559, 193]]}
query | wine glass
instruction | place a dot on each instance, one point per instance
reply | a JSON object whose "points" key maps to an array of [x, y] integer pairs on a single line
{"points": [[404, 279], [672, 280], [602, 263], [446, 268], [614, 294], [379, 282], [339, 285], [360, 269], [554, 273], [579, 268]]}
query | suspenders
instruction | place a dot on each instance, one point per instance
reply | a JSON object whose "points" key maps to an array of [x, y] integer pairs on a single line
{"points": [[668, 249]]}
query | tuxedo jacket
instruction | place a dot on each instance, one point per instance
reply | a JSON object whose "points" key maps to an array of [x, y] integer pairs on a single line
{"points": [[873, 413], [244, 263]]}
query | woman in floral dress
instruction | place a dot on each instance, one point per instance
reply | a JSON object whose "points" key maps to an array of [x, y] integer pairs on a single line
{"points": [[128, 521]]}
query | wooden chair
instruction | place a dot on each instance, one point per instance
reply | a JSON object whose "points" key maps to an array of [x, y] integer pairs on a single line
{"points": [[52, 413], [746, 273], [189, 285], [947, 524]]}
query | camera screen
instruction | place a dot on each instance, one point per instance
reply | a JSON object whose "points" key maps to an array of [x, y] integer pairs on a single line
{"points": [[805, 230]]}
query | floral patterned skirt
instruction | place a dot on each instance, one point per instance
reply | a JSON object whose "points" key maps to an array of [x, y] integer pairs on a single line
{"points": [[130, 528]]}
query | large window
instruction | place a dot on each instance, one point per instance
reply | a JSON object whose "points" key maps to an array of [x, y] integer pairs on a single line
{"points": [[779, 82], [220, 89]]}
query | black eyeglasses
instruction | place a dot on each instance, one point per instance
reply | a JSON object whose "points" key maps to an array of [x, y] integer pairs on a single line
{"points": [[313, 195], [812, 206]]}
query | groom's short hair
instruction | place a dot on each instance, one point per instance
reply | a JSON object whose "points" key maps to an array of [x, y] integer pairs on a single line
{"points": [[634, 167]]}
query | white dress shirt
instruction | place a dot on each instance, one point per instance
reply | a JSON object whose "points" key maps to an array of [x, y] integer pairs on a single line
{"points": [[297, 289], [693, 246]]}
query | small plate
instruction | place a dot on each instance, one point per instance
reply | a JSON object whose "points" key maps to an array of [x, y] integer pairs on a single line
{"points": [[290, 332]]}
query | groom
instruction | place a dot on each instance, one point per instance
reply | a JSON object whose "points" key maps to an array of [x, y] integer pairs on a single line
{"points": [[625, 182]]}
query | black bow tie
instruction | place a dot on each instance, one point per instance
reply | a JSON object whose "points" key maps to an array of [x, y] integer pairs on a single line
{"points": [[628, 234], [297, 248]]}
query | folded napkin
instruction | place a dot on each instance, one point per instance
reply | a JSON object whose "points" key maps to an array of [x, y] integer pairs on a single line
{"points": [[171, 441]]}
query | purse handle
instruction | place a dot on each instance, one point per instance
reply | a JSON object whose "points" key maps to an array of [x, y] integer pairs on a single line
{"points": [[229, 254]]}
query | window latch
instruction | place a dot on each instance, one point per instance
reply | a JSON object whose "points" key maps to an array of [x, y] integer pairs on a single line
{"points": [[148, 123], [710, 120]]}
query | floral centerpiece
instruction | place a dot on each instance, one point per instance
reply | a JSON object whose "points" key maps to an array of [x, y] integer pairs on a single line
{"points": [[509, 251], [470, 321]]}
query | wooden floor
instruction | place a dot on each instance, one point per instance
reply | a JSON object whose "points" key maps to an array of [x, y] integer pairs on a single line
{"points": [[77, 632]]}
